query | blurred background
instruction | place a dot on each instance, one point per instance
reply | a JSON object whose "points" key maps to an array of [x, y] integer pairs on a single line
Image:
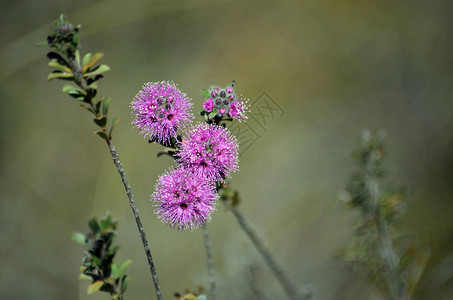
{"points": [[333, 68]]}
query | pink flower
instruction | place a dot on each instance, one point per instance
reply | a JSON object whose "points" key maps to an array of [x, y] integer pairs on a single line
{"points": [[184, 199], [238, 110], [159, 110], [210, 150], [208, 105]]}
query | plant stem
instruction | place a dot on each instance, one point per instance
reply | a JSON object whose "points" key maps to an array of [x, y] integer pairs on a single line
{"points": [[391, 258], [211, 271], [120, 169], [258, 295], [284, 281]]}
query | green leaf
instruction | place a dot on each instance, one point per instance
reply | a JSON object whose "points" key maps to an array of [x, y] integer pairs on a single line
{"points": [[205, 93], [62, 18], [86, 58], [41, 43], [211, 115], [92, 61], [84, 277], [94, 287], [59, 75], [101, 123], [93, 86], [77, 57], [105, 106], [102, 135], [78, 237], [73, 89], [120, 271], [114, 123], [87, 108], [58, 58], [101, 69], [124, 284], [106, 222], [94, 226], [55, 64], [114, 268]]}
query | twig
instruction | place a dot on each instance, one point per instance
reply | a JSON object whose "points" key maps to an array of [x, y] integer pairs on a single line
{"points": [[252, 281], [391, 258], [211, 271], [120, 169], [289, 289]]}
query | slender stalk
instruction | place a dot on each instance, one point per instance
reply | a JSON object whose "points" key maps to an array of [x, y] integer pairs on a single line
{"points": [[391, 259], [211, 271], [258, 294], [120, 169], [284, 281]]}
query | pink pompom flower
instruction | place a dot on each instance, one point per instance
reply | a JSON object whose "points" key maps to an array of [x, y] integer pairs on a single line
{"points": [[210, 150], [184, 199], [159, 110]]}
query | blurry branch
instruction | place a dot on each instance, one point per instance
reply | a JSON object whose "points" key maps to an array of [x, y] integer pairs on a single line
{"points": [[86, 73], [251, 269], [373, 245], [211, 271], [231, 199]]}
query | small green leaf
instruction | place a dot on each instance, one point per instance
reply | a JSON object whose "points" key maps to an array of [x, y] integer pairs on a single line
{"points": [[41, 43], [78, 237], [92, 61], [211, 115], [58, 58], [54, 64], [73, 89], [101, 69], [88, 108], [93, 86], [84, 277], [205, 93], [102, 135], [114, 123], [106, 222], [120, 271], [94, 226], [77, 57], [124, 284], [94, 287], [86, 59], [114, 269], [236, 199], [105, 106], [101, 123], [59, 75]]}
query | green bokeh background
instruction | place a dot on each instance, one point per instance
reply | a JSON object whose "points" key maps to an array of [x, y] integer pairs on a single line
{"points": [[335, 67]]}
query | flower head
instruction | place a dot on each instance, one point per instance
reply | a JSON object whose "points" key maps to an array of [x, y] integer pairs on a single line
{"points": [[159, 109], [225, 102], [183, 199], [210, 150]]}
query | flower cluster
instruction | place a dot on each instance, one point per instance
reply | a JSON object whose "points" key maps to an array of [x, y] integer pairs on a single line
{"points": [[159, 110], [225, 102], [207, 155], [184, 199], [210, 150]]}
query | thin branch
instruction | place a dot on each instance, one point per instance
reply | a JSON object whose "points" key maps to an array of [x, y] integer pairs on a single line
{"points": [[289, 289], [258, 294], [391, 258], [211, 271], [120, 169]]}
